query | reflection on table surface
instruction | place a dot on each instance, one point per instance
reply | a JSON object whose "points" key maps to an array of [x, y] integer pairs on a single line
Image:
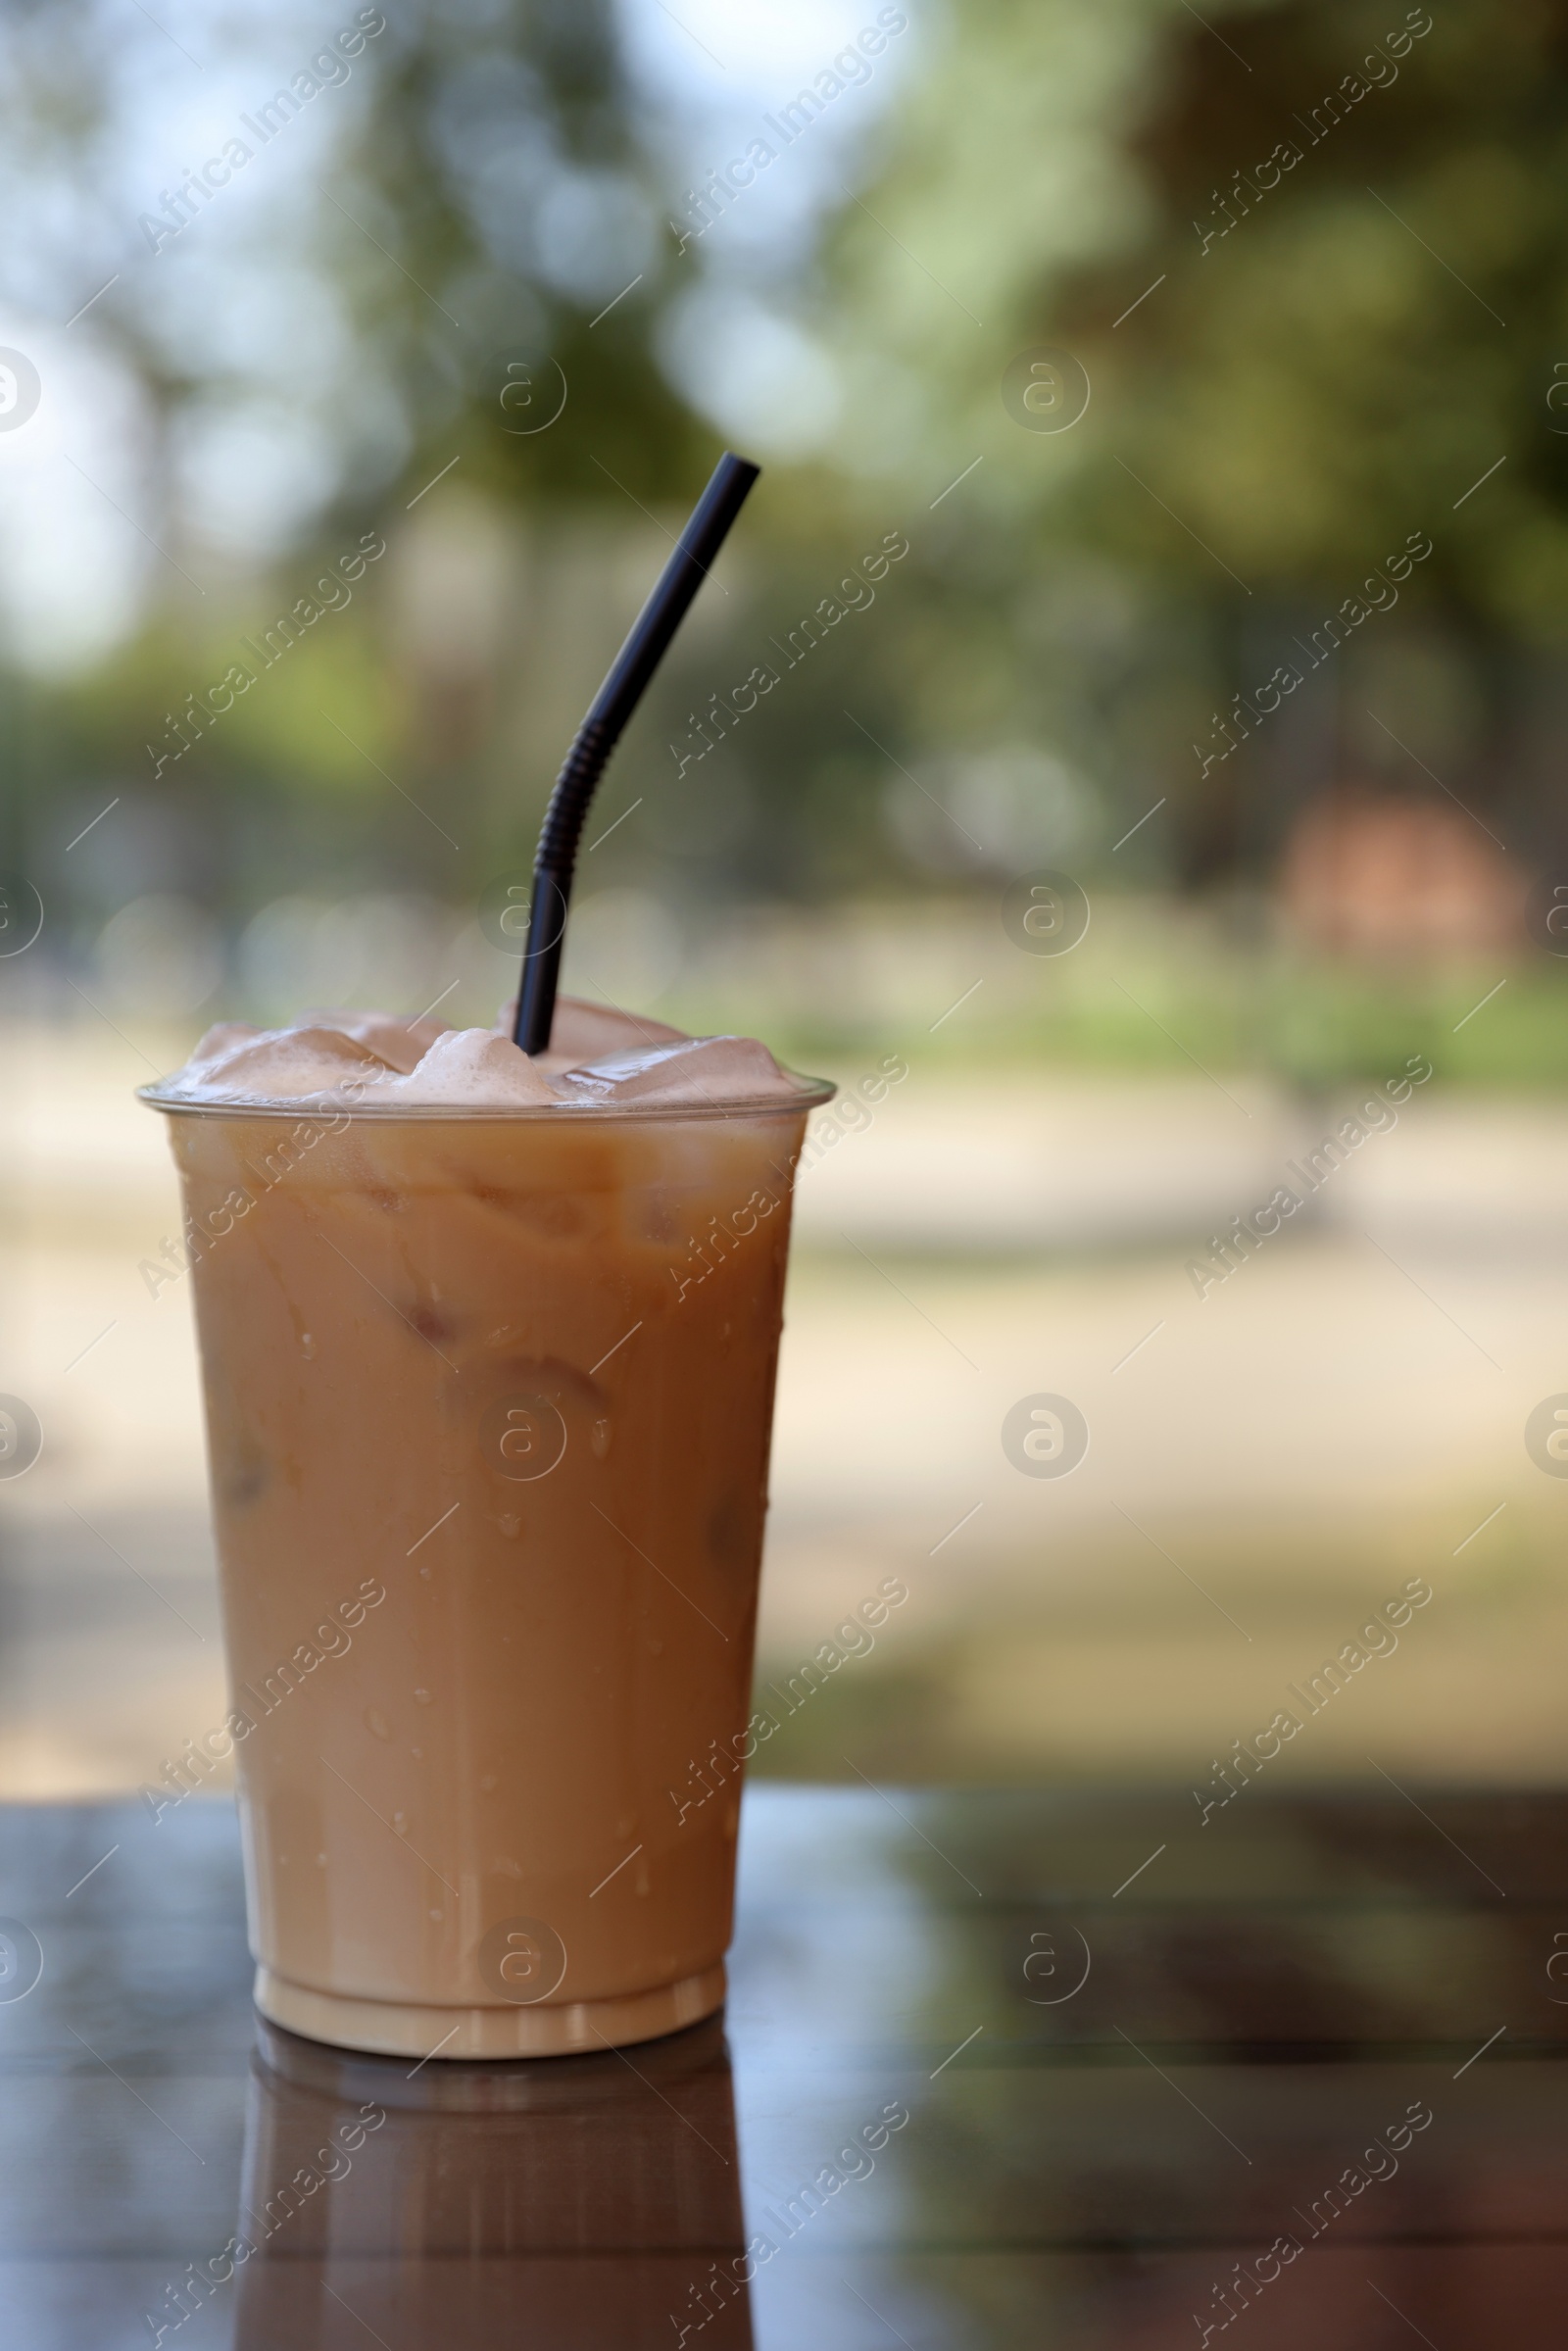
{"points": [[561, 2203], [997, 2070]]}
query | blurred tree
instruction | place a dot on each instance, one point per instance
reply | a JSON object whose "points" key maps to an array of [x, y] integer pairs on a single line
{"points": [[1312, 257], [1366, 281], [461, 279], [515, 200]]}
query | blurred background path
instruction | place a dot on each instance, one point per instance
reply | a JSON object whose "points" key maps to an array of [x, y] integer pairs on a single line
{"points": [[1267, 1462]]}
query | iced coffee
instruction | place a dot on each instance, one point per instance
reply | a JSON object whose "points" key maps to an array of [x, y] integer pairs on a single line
{"points": [[488, 1345]]}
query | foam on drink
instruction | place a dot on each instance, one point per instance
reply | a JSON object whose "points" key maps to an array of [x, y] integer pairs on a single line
{"points": [[597, 1058]]}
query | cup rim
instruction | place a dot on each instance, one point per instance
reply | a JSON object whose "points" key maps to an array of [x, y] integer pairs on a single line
{"points": [[809, 1093]]}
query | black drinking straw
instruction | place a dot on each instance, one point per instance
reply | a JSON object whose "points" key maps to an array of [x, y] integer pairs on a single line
{"points": [[656, 624]]}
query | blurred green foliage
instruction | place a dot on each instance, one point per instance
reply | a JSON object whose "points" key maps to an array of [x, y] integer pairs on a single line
{"points": [[1312, 257], [1313, 260]]}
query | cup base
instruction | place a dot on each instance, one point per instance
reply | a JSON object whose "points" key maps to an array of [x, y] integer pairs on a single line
{"points": [[399, 2028]]}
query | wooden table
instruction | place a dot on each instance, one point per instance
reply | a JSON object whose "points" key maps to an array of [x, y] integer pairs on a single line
{"points": [[998, 2069]]}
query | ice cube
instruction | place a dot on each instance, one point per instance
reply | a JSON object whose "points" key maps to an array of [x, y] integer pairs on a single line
{"points": [[400, 1044], [693, 1069], [582, 1032], [282, 1066]]}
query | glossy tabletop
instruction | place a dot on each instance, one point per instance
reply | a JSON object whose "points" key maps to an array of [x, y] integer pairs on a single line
{"points": [[998, 2069]]}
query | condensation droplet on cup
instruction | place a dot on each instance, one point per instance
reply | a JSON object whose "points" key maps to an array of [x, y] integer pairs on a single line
{"points": [[306, 1347], [400, 1822], [510, 1526], [418, 1753], [376, 1723], [421, 1697], [599, 1441], [435, 1914]]}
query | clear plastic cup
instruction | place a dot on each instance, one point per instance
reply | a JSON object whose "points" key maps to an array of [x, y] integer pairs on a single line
{"points": [[489, 1400]]}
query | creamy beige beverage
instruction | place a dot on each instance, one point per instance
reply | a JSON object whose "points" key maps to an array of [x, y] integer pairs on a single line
{"points": [[489, 1348]]}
